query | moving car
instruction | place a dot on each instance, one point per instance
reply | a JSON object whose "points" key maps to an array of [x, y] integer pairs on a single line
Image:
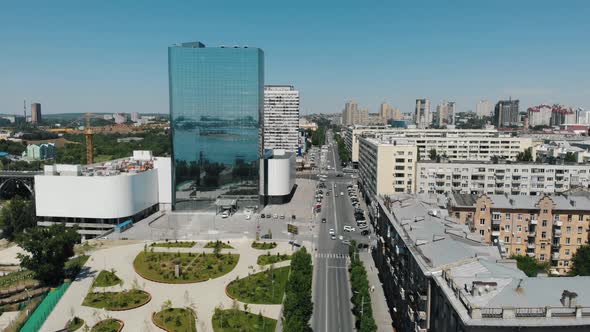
{"points": [[347, 242], [323, 220], [341, 193], [348, 228], [262, 216], [332, 231], [362, 246], [365, 232], [268, 215], [333, 236]]}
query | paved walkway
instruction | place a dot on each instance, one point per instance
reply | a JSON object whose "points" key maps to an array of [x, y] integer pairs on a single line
{"points": [[378, 302], [203, 297]]}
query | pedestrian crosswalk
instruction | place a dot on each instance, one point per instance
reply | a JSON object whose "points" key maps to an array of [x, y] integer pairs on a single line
{"points": [[330, 255]]}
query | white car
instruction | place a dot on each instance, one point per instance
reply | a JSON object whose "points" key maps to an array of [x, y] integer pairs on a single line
{"points": [[332, 231], [340, 237], [248, 217], [349, 228], [224, 214], [341, 193]]}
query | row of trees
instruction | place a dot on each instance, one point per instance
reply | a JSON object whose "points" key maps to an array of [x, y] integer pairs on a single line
{"points": [[361, 298], [580, 263], [48, 248], [342, 150], [298, 308]]}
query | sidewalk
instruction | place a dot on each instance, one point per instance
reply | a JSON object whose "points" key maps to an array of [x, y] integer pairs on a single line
{"points": [[378, 302]]}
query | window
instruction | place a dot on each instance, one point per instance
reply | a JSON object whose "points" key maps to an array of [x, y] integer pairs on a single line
{"points": [[496, 216], [507, 216], [566, 263], [567, 240], [482, 221], [507, 228], [519, 217], [567, 252], [578, 241], [481, 232], [543, 246], [517, 251], [544, 223], [568, 230], [543, 235], [545, 211], [580, 217], [518, 240], [400, 160], [542, 257], [506, 239], [483, 208], [519, 228], [580, 229]]}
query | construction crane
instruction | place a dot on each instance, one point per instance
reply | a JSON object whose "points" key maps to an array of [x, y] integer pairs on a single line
{"points": [[89, 145]]}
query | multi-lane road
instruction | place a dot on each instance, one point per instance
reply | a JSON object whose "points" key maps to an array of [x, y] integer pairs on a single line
{"points": [[332, 307]]}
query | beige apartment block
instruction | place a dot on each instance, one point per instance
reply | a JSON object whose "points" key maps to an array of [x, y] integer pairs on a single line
{"points": [[387, 168], [548, 228]]}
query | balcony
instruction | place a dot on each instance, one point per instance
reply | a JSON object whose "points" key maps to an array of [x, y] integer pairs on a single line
{"points": [[534, 221], [530, 245], [530, 254], [555, 256], [557, 233], [555, 246], [532, 234], [557, 223], [495, 233]]}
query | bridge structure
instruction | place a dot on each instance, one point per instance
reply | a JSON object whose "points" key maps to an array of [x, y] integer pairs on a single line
{"points": [[18, 181]]}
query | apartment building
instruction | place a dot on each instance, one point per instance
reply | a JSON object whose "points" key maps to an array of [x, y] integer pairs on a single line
{"points": [[387, 168], [437, 276], [422, 114], [548, 228], [475, 177], [281, 117], [454, 144]]}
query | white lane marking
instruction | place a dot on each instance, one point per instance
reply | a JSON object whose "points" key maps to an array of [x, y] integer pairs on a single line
{"points": [[326, 301], [337, 301], [334, 208]]}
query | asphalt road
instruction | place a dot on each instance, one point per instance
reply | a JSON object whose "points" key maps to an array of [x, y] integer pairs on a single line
{"points": [[332, 307]]}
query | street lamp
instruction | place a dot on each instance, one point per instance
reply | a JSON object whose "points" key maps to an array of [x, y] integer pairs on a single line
{"points": [[362, 304]]}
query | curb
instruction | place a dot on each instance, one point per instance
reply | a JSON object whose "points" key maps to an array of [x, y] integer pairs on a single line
{"points": [[167, 330]]}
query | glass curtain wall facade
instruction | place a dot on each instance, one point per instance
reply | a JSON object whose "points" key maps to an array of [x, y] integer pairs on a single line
{"points": [[216, 112]]}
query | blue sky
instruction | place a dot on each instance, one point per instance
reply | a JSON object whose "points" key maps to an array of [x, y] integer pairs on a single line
{"points": [[111, 56]]}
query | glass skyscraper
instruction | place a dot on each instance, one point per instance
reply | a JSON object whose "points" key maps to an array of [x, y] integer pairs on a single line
{"points": [[216, 112]]}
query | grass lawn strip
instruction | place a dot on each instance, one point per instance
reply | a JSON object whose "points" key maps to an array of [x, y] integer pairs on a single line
{"points": [[108, 325], [264, 245], [223, 245], [75, 323], [176, 320], [194, 267], [117, 301], [176, 244], [106, 279], [259, 288], [272, 259], [233, 320]]}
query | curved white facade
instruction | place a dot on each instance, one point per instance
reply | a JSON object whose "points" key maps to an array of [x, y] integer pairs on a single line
{"points": [[96, 197], [281, 177]]}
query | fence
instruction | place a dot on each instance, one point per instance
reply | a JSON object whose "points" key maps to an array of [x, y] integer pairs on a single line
{"points": [[38, 317]]}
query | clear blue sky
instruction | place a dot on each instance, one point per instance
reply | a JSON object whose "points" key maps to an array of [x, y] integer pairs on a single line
{"points": [[111, 56]]}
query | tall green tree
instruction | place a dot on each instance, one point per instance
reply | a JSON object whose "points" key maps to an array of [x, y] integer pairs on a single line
{"points": [[48, 249], [581, 261], [298, 306], [432, 154], [16, 216]]}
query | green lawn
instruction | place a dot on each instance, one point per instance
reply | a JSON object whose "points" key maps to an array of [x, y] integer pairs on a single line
{"points": [[107, 325], [233, 320], [176, 320], [106, 279], [194, 267], [74, 324], [259, 288], [271, 259], [264, 245], [116, 300], [14, 278], [223, 245], [175, 244]]}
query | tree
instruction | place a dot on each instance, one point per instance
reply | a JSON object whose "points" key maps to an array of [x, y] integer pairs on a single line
{"points": [[527, 155], [581, 261], [48, 249], [570, 157], [432, 154], [16, 216], [529, 265]]}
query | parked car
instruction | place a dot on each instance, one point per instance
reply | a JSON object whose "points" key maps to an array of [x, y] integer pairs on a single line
{"points": [[293, 217], [341, 193], [262, 216], [331, 231], [349, 228], [224, 214], [275, 216], [323, 220], [266, 236], [365, 232], [268, 215], [248, 217], [347, 242], [333, 236], [362, 246]]}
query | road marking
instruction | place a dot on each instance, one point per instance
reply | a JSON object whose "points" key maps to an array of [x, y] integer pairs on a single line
{"points": [[326, 301], [338, 302], [334, 208]]}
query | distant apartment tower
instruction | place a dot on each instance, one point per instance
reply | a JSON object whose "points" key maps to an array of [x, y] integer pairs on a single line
{"points": [[387, 112], [484, 109], [281, 117], [135, 117], [348, 114], [120, 118], [445, 114], [422, 114], [35, 113], [506, 113]]}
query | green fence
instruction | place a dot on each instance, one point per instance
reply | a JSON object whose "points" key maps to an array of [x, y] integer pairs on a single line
{"points": [[38, 317]]}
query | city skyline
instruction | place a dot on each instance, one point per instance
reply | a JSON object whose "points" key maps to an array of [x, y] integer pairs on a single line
{"points": [[111, 57]]}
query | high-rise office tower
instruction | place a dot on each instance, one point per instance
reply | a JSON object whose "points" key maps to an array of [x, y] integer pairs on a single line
{"points": [[422, 114], [387, 112], [484, 108], [445, 114], [506, 113], [349, 113], [281, 117], [216, 113], [35, 113]]}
